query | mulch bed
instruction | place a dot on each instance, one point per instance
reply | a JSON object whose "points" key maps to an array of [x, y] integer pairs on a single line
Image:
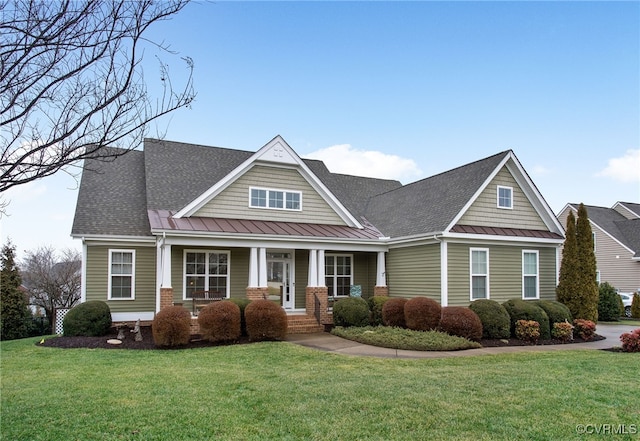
{"points": [[516, 342]]}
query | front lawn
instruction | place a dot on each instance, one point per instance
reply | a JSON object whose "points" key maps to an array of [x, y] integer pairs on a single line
{"points": [[280, 391]]}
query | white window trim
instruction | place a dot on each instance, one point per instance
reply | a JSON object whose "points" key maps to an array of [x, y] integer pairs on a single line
{"points": [[335, 275], [537, 274], [471, 274], [498, 197], [206, 275], [133, 275], [284, 202]]}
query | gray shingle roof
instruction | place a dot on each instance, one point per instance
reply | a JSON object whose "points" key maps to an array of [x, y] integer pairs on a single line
{"points": [[626, 231]]}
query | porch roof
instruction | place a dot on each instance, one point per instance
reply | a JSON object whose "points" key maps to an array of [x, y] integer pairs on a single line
{"points": [[163, 220], [514, 232]]}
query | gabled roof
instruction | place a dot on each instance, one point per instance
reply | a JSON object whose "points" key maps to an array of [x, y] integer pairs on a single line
{"points": [[628, 209]]}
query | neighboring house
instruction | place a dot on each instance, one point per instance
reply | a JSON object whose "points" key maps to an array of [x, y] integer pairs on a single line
{"points": [[616, 234], [159, 224]]}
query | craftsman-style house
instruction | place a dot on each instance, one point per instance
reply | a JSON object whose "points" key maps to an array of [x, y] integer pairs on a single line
{"points": [[162, 225]]}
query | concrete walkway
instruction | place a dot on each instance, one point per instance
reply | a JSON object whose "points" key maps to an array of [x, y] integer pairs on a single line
{"points": [[330, 343]]}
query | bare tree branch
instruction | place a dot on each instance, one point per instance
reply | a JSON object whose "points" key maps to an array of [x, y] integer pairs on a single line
{"points": [[71, 82]]}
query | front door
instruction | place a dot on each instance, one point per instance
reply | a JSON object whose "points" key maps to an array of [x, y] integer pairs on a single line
{"points": [[280, 277]]}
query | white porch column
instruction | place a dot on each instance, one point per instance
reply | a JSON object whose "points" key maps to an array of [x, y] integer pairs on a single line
{"points": [[166, 266], [381, 272], [313, 268], [262, 267], [444, 273], [253, 268], [321, 279]]}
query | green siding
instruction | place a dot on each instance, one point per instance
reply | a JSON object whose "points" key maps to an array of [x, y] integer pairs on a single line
{"points": [[414, 271], [97, 279]]}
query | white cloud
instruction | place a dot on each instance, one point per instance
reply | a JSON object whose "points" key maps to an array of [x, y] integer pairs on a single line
{"points": [[344, 159], [625, 168], [541, 170]]}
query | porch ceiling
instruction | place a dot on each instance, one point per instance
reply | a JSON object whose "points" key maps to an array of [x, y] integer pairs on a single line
{"points": [[163, 220]]}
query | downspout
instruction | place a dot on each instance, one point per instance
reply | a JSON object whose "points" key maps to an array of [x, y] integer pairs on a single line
{"points": [[83, 272]]}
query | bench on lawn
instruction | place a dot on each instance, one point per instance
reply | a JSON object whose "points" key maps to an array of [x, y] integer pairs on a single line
{"points": [[200, 299]]}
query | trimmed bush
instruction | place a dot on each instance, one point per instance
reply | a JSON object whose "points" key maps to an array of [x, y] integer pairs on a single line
{"points": [[494, 317], [88, 319], [375, 306], [220, 321], [585, 329], [422, 314], [556, 311], [171, 327], [635, 306], [393, 312], [519, 309], [351, 311], [562, 331], [242, 304], [631, 341], [608, 305], [527, 330], [461, 322], [266, 320]]}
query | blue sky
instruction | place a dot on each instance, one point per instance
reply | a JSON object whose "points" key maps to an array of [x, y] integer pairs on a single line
{"points": [[399, 90]]}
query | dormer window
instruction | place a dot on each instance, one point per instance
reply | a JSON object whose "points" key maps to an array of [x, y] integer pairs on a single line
{"points": [[505, 197], [275, 199]]}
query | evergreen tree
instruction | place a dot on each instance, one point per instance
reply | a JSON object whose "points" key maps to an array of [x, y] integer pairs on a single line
{"points": [[15, 316], [635, 306], [587, 281], [567, 291]]}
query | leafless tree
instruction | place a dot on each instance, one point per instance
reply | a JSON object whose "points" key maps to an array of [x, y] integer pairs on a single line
{"points": [[52, 282], [71, 81]]}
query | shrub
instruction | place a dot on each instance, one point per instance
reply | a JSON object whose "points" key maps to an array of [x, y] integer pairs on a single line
{"points": [[621, 307], [462, 322], [585, 329], [242, 304], [375, 305], [556, 311], [220, 321], [608, 305], [89, 319], [393, 312], [422, 314], [351, 311], [562, 331], [635, 306], [494, 317], [266, 320], [631, 341], [527, 330], [171, 327], [519, 309]]}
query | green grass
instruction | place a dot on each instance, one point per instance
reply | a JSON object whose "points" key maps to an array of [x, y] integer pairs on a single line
{"points": [[280, 391], [397, 338]]}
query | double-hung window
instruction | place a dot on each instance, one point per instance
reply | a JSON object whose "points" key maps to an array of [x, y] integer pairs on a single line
{"points": [[121, 274], [275, 199], [206, 271], [505, 197], [530, 276], [479, 269], [338, 272]]}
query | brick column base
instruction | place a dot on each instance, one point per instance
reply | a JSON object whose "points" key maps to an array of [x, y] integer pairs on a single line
{"points": [[257, 293], [322, 292], [381, 291], [166, 297]]}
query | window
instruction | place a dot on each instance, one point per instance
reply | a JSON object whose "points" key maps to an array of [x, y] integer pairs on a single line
{"points": [[275, 199], [479, 273], [338, 271], [206, 271], [530, 275], [505, 197], [121, 274]]}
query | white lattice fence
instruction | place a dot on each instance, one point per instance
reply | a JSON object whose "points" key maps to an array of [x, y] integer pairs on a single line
{"points": [[60, 313]]}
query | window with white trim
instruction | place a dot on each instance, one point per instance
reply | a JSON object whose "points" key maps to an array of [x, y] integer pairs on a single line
{"points": [[505, 197], [206, 271], [122, 274], [275, 199], [479, 270], [530, 275], [338, 273]]}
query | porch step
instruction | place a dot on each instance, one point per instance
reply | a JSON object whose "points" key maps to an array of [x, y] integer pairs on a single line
{"points": [[303, 324]]}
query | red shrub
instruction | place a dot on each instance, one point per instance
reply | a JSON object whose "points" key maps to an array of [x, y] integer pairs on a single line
{"points": [[563, 331], [393, 312], [266, 320], [220, 321], [462, 322], [586, 329], [422, 314], [631, 341], [528, 330], [171, 326]]}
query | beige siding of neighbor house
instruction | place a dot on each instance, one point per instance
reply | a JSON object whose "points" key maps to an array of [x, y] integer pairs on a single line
{"points": [[485, 212], [233, 202], [414, 271], [625, 211], [97, 278], [505, 272]]}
